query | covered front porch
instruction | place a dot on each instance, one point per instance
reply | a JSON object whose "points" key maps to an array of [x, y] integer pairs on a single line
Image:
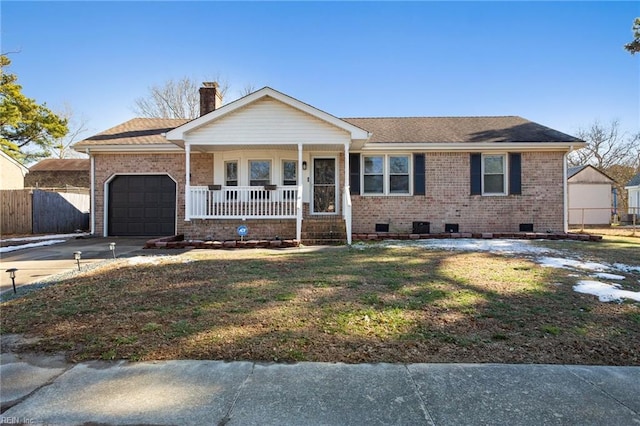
{"points": [[274, 158], [254, 184]]}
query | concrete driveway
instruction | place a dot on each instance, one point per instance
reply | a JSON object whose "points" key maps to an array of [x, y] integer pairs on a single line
{"points": [[35, 264]]}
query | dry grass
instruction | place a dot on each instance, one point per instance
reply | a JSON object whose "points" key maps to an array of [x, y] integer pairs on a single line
{"points": [[338, 304]]}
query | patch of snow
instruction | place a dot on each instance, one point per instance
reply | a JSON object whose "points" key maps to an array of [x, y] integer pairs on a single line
{"points": [[30, 245], [606, 276], [505, 246], [626, 268], [557, 262], [47, 237], [605, 292], [145, 260]]}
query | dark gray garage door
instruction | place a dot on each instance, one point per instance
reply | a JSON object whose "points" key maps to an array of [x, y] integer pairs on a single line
{"points": [[142, 205]]}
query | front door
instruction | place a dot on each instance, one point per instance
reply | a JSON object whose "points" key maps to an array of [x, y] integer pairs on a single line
{"points": [[325, 191]]}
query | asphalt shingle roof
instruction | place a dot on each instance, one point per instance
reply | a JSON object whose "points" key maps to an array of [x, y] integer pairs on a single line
{"points": [[61, 165], [634, 180], [458, 129], [139, 131], [574, 170]]}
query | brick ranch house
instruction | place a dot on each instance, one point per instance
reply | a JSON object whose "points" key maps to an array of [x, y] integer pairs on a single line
{"points": [[287, 169]]}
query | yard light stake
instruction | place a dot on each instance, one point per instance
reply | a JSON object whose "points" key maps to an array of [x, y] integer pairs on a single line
{"points": [[12, 275], [77, 255], [112, 247]]}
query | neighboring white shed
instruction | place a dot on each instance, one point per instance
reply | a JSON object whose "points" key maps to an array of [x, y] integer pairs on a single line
{"points": [[589, 192], [12, 173], [633, 190]]}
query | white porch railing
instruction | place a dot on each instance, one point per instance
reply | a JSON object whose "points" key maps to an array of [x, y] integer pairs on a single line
{"points": [[244, 202]]}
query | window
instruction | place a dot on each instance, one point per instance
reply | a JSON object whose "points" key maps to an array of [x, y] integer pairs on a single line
{"points": [[373, 175], [231, 173], [398, 175], [386, 174], [289, 172], [259, 172], [493, 174]]}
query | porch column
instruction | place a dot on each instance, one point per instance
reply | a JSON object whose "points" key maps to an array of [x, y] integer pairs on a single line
{"points": [[346, 165], [346, 199], [299, 197], [187, 195]]}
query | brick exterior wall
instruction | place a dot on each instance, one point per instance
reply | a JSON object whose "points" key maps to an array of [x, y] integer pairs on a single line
{"points": [[226, 229], [173, 165], [448, 199]]}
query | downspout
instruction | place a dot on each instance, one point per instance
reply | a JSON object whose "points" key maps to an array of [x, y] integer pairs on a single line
{"points": [[92, 199], [565, 190]]}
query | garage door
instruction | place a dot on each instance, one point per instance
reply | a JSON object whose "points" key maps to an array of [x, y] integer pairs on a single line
{"points": [[142, 205]]}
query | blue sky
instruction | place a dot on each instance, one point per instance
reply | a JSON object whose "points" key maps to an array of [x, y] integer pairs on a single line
{"points": [[561, 64]]}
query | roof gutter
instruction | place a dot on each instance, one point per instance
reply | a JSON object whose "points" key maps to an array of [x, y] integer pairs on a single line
{"points": [[472, 147]]}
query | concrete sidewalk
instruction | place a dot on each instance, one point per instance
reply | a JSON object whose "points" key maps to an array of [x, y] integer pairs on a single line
{"points": [[46, 391]]}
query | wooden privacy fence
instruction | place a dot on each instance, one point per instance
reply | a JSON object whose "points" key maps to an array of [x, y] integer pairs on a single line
{"points": [[41, 212], [17, 209]]}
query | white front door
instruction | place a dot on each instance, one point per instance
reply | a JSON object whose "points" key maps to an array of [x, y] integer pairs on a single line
{"points": [[324, 186]]}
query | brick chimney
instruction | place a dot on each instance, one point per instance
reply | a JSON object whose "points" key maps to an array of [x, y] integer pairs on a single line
{"points": [[210, 97]]}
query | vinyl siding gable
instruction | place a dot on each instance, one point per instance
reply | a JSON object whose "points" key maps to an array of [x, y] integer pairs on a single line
{"points": [[267, 121]]}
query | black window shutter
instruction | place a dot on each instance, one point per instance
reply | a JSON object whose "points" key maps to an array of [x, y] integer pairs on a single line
{"points": [[476, 174], [354, 173], [418, 174], [515, 173]]}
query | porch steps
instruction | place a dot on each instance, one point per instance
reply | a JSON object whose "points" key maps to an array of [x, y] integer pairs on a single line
{"points": [[329, 230]]}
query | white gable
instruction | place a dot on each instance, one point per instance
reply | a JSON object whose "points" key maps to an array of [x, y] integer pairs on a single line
{"points": [[267, 121], [267, 117]]}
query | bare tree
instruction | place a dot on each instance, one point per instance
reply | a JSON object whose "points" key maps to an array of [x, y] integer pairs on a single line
{"points": [[606, 146], [173, 99], [77, 127], [247, 90], [615, 153]]}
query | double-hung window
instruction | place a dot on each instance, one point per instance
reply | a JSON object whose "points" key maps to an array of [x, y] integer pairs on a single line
{"points": [[494, 176], [386, 174], [398, 174], [259, 172], [289, 172], [373, 174], [231, 173]]}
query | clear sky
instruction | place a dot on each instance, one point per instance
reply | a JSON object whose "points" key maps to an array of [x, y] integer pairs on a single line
{"points": [[561, 64]]}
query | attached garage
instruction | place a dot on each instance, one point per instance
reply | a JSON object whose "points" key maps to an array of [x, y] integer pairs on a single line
{"points": [[141, 205]]}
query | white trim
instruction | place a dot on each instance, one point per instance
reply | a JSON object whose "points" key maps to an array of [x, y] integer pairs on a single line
{"points": [[178, 134], [336, 184], [105, 196]]}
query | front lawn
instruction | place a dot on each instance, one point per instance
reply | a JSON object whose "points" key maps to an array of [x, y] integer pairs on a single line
{"points": [[364, 304]]}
